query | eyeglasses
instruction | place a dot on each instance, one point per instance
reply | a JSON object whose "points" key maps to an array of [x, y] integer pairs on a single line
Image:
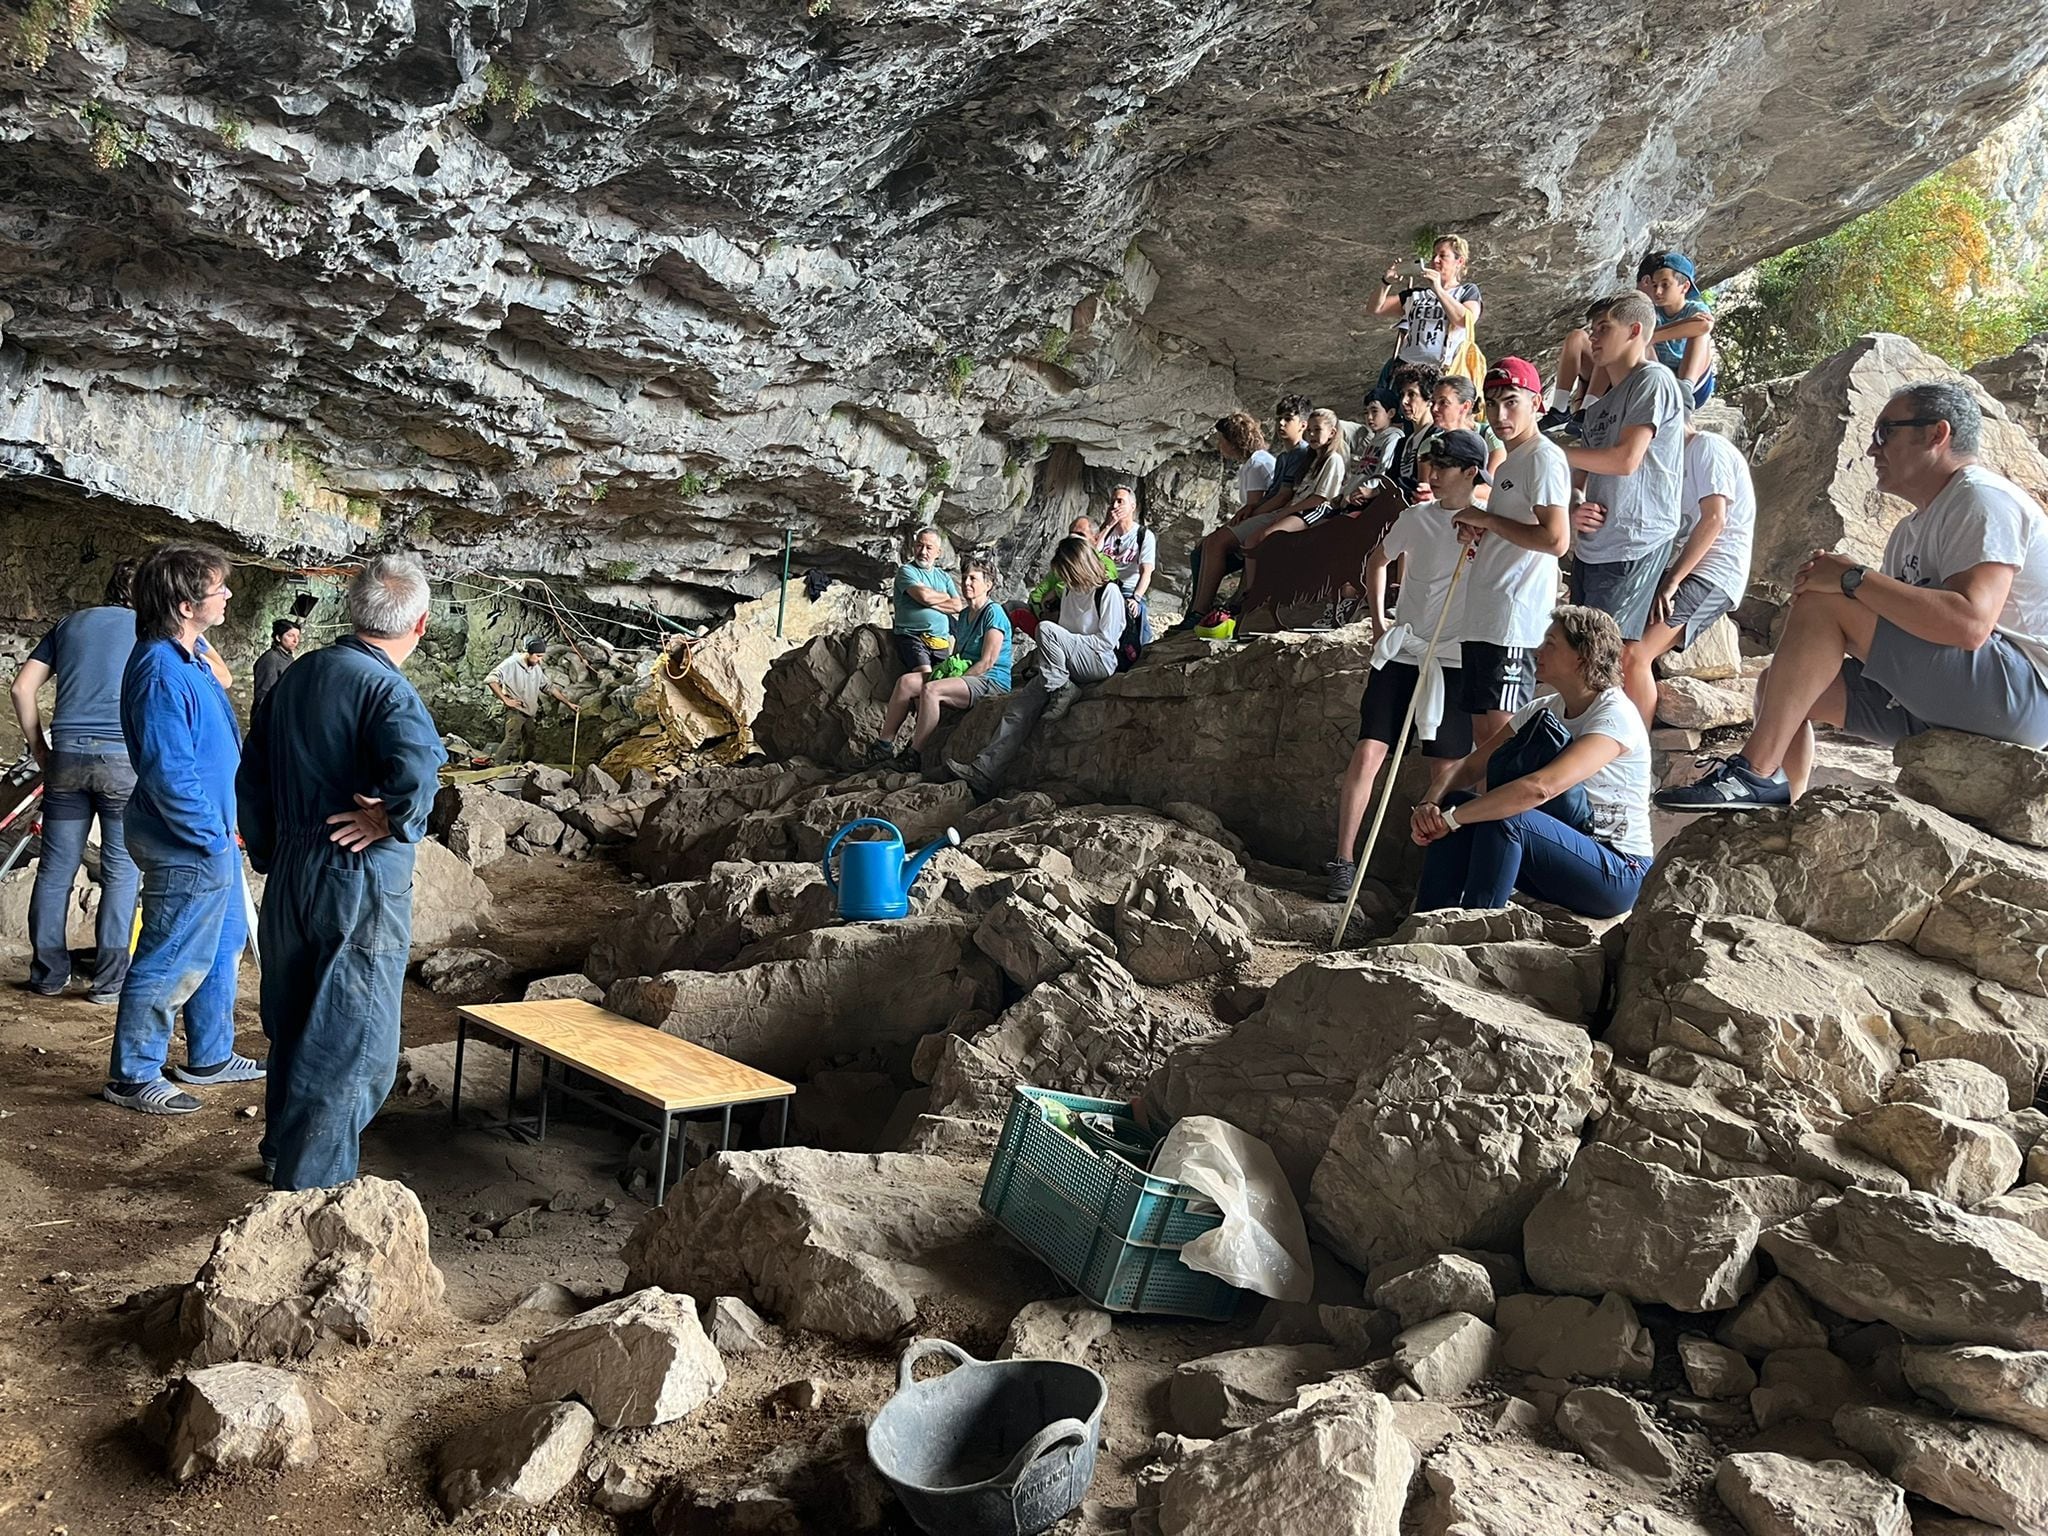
{"points": [[1881, 430]]}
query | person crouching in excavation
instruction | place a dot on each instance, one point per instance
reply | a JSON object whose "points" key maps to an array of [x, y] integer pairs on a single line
{"points": [[340, 770]]}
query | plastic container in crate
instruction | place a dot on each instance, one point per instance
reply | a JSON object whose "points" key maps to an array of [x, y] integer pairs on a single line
{"points": [[1108, 1229]]}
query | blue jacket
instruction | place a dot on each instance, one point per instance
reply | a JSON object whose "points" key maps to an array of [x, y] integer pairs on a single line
{"points": [[184, 745], [342, 721]]}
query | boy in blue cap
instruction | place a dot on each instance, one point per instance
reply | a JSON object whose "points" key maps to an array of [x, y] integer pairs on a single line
{"points": [[1683, 343]]}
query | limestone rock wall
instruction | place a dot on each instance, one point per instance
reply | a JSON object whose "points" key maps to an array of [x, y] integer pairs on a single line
{"points": [[616, 290]]}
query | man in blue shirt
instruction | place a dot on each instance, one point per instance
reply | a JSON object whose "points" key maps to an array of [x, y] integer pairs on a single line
{"points": [[85, 774], [340, 771], [183, 741]]}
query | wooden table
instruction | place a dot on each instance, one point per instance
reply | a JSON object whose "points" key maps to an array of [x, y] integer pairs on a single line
{"points": [[671, 1075]]}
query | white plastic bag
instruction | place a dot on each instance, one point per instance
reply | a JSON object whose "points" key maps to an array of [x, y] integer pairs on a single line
{"points": [[1262, 1244]]}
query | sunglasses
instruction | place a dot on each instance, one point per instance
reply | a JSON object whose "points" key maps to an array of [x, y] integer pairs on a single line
{"points": [[1881, 430]]}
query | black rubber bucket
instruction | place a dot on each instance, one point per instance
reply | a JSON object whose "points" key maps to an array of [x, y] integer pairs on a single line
{"points": [[991, 1448]]}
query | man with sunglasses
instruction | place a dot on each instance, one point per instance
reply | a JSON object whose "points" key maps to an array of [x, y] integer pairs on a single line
{"points": [[1951, 631]]}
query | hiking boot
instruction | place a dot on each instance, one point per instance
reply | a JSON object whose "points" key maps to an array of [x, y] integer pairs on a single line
{"points": [[1729, 785], [910, 760], [155, 1098], [1060, 701], [880, 751], [972, 777], [1337, 877], [236, 1069]]}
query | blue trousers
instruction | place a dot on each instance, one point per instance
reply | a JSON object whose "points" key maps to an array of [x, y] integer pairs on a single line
{"points": [[193, 929], [81, 781], [1484, 864], [334, 935]]}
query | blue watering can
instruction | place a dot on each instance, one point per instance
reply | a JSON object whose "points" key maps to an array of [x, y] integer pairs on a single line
{"points": [[874, 878]]}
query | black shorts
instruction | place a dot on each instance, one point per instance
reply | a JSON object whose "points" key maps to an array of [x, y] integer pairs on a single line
{"points": [[1384, 705], [1695, 607], [1494, 677], [914, 655]]}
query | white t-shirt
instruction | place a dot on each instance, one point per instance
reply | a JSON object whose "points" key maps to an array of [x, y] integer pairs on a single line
{"points": [[1372, 460], [1132, 550], [1095, 615], [1642, 508], [1254, 477], [1510, 592], [1715, 467], [1981, 517], [1326, 481], [1429, 337], [1425, 535], [524, 683], [1619, 793]]}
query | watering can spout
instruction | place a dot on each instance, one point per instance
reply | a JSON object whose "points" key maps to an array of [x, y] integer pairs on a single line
{"points": [[916, 861]]}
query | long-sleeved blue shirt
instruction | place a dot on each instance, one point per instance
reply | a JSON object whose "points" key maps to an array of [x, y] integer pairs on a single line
{"points": [[184, 745], [342, 722]]}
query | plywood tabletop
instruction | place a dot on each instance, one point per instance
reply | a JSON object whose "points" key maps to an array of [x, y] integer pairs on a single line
{"points": [[663, 1070]]}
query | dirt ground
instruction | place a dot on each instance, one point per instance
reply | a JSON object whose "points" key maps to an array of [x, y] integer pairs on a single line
{"points": [[99, 1204]]}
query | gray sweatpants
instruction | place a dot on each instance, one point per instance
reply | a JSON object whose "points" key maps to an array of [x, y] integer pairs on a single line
{"points": [[1066, 657]]}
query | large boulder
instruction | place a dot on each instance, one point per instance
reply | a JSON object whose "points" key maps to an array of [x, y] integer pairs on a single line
{"points": [[232, 1417], [2008, 1385], [448, 901], [640, 1360], [691, 925], [1995, 785], [1620, 1224], [704, 803], [1817, 480], [1964, 1161], [825, 699], [1918, 1263], [513, 1461], [1338, 1467], [844, 1243], [301, 1268], [1171, 928], [1774, 1495], [1176, 729], [1289, 1072], [1461, 1122], [1988, 1471], [1509, 1487], [1862, 864], [823, 993], [730, 665], [2019, 382]]}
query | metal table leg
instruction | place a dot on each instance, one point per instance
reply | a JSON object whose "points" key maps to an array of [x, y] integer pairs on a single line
{"points": [[512, 1090], [542, 1134], [782, 1131], [661, 1167], [725, 1136], [455, 1094]]}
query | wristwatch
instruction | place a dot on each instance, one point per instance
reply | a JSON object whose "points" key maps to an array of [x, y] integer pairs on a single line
{"points": [[1852, 578]]}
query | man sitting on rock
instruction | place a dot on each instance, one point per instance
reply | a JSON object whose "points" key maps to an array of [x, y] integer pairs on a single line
{"points": [[1950, 632]]}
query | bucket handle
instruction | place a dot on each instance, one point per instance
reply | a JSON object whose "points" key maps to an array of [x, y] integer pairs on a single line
{"points": [[919, 1349], [832, 880], [1056, 1433]]}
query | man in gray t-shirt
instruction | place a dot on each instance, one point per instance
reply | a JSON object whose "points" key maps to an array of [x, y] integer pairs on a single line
{"points": [[1633, 461]]}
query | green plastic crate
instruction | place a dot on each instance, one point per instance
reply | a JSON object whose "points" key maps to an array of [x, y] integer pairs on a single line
{"points": [[1110, 1230]]}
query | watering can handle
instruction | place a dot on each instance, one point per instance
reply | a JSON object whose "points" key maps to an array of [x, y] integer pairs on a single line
{"points": [[1055, 1433], [852, 826], [919, 1348]]}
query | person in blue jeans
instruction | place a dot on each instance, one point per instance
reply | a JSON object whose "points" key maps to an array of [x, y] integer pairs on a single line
{"points": [[86, 775], [1484, 847], [185, 745], [340, 771]]}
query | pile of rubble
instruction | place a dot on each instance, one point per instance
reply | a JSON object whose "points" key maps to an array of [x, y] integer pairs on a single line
{"points": [[532, 808]]}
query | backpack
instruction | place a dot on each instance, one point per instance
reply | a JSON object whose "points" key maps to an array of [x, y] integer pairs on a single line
{"points": [[1128, 646], [1470, 361]]}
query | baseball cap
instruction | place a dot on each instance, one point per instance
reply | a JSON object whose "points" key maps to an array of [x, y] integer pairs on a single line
{"points": [[1676, 261], [1460, 449], [1513, 373], [1386, 399]]}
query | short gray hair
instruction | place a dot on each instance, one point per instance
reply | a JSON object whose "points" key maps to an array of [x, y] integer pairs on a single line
{"points": [[387, 597], [1950, 401]]}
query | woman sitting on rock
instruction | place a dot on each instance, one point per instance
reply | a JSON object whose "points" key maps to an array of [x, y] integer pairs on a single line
{"points": [[981, 637], [1483, 847]]}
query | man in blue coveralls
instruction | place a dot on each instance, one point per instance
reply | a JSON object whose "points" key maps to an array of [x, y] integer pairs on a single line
{"points": [[338, 776], [183, 742]]}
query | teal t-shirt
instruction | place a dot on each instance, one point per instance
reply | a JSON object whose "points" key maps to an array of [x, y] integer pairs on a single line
{"points": [[911, 617], [1672, 353], [974, 628]]}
